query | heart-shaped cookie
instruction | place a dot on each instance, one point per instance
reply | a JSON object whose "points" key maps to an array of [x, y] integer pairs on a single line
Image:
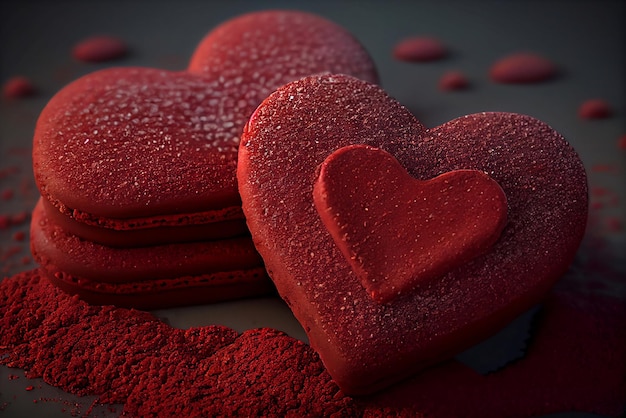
{"points": [[398, 232], [364, 344], [145, 160]]}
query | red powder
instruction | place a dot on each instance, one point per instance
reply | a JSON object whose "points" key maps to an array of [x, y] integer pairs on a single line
{"points": [[453, 80], [99, 49], [17, 87], [595, 109], [419, 49], [522, 68], [130, 357]]}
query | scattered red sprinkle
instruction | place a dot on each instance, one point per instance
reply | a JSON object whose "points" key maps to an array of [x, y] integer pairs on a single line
{"points": [[614, 224], [17, 87], [595, 109], [605, 168], [20, 218], [621, 143], [600, 191], [420, 49], [522, 68], [453, 80], [29, 388], [8, 171], [100, 48], [7, 194], [19, 236]]}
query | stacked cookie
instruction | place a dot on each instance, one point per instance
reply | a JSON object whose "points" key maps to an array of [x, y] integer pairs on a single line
{"points": [[136, 166]]}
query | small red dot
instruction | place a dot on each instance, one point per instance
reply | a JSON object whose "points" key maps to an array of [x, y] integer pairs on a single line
{"points": [[595, 109]]}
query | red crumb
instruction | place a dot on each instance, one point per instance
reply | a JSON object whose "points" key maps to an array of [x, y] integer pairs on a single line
{"points": [[621, 142], [100, 48], [614, 224], [420, 49], [522, 68], [7, 194], [29, 388], [20, 218], [595, 109], [19, 236], [17, 87], [605, 168], [8, 171], [453, 80]]}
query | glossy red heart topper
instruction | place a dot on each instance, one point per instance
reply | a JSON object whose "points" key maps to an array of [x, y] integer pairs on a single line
{"points": [[398, 232]]}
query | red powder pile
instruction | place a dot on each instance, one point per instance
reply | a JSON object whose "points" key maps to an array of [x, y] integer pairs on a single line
{"points": [[575, 362]]}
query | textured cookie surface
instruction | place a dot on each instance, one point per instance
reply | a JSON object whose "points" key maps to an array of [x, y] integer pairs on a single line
{"points": [[260, 51], [366, 345], [136, 142]]}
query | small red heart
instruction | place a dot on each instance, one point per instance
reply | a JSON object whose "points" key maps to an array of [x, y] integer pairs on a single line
{"points": [[398, 232]]}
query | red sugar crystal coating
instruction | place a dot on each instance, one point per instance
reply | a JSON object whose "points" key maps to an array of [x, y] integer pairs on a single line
{"points": [[420, 49], [18, 86], [595, 109], [453, 80], [100, 48], [366, 345], [137, 142], [172, 275], [129, 357], [398, 232], [258, 52], [522, 68]]}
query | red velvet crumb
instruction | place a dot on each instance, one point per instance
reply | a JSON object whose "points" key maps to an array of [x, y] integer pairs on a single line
{"points": [[595, 109], [453, 80], [17, 87], [522, 68], [100, 48], [419, 49]]}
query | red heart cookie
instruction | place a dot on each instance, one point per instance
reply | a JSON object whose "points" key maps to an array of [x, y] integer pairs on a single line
{"points": [[137, 158], [366, 345], [398, 232]]}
